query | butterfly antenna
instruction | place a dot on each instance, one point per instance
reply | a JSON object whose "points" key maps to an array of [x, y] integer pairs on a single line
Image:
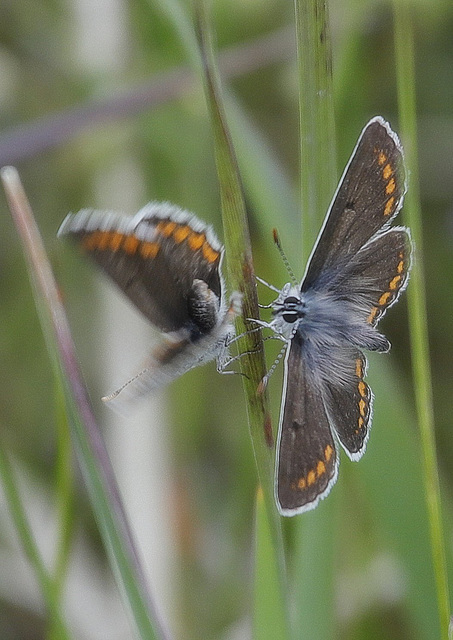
{"points": [[116, 393], [269, 286], [263, 384], [284, 258]]}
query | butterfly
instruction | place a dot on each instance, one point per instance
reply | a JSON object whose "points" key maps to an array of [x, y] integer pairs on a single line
{"points": [[168, 263], [357, 270]]}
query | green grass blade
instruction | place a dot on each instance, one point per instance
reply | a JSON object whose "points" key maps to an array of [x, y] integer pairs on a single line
{"points": [[317, 129], [268, 610], [49, 590], [93, 457], [314, 571], [241, 277], [405, 62], [390, 472], [315, 531], [238, 253]]}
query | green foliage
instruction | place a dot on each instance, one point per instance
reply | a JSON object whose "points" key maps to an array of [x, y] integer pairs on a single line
{"points": [[359, 566]]}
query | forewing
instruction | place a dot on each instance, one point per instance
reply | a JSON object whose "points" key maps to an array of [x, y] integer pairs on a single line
{"points": [[154, 257], [369, 195], [350, 405], [307, 461]]}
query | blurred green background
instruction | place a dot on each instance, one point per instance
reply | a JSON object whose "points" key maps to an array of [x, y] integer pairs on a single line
{"points": [[99, 108]]}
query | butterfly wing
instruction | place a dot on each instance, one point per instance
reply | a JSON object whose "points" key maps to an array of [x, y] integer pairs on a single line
{"points": [[306, 466], [350, 406], [356, 272], [155, 258], [378, 273], [369, 195]]}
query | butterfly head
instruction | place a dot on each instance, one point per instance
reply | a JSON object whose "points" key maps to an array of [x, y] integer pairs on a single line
{"points": [[287, 310]]}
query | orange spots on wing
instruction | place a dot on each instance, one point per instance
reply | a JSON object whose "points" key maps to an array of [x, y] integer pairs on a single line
{"points": [[115, 240], [181, 233], [391, 186], [394, 282], [209, 253], [166, 227], [314, 474], [384, 298], [372, 315], [301, 483], [328, 453], [393, 287], [196, 240], [103, 240], [149, 250], [389, 206], [387, 171], [130, 244], [98, 240], [320, 468], [358, 368], [362, 387], [362, 408]]}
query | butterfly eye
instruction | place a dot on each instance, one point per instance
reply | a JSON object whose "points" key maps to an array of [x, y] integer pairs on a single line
{"points": [[292, 309], [291, 316]]}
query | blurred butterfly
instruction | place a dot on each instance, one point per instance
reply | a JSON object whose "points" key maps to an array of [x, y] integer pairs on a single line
{"points": [[168, 263]]}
